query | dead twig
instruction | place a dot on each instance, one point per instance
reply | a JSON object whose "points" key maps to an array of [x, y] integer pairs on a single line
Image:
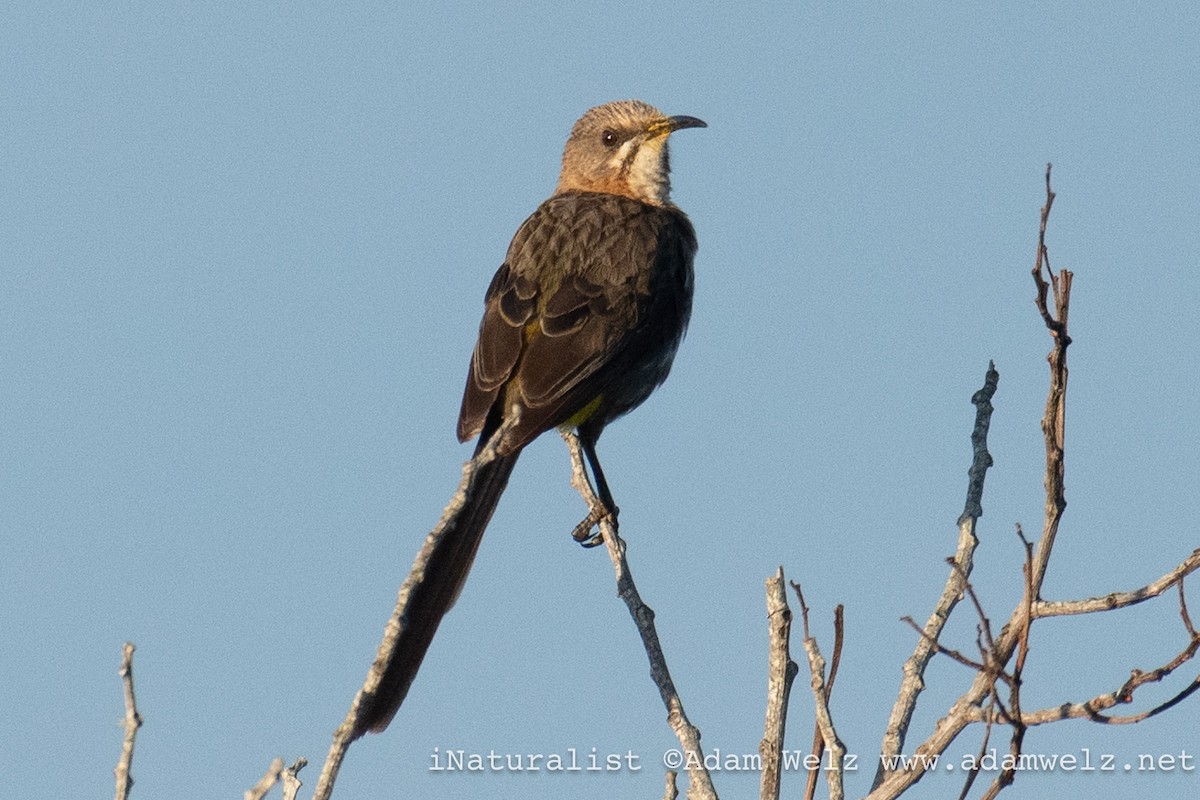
{"points": [[267, 782], [913, 682], [781, 672], [818, 745], [1093, 708], [700, 786], [1054, 420], [291, 779], [1055, 608], [820, 689], [1012, 714], [133, 721], [965, 709]]}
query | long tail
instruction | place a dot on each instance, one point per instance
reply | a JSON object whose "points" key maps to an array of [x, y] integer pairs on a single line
{"points": [[432, 594]]}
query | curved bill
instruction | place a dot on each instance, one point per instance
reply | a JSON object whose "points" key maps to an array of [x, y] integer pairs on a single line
{"points": [[682, 121]]}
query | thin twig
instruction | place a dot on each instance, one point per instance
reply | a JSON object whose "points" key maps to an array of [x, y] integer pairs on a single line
{"points": [[839, 641], [914, 669], [1054, 421], [1183, 611], [781, 671], [939, 648], [1014, 638], [820, 690], [1092, 709], [267, 782], [700, 786], [1054, 608], [965, 708], [988, 642], [818, 745], [977, 764], [1013, 713], [133, 721], [1054, 431]]}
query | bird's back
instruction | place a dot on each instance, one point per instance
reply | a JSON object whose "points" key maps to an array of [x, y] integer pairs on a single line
{"points": [[584, 316]]}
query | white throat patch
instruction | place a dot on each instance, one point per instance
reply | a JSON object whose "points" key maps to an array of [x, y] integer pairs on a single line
{"points": [[647, 175]]}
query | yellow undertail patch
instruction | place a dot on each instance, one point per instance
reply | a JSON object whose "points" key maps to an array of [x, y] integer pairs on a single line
{"points": [[583, 415]]}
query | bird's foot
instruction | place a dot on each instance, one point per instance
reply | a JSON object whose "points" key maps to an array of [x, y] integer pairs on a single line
{"points": [[588, 532]]}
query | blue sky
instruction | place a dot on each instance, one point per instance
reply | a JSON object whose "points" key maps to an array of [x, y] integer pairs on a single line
{"points": [[243, 253]]}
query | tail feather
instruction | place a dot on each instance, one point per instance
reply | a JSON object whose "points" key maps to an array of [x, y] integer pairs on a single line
{"points": [[432, 594]]}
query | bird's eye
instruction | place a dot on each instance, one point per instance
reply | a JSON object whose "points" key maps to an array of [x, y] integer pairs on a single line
{"points": [[610, 138]]}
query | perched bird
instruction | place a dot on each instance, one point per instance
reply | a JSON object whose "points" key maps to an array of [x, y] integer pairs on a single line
{"points": [[580, 324]]}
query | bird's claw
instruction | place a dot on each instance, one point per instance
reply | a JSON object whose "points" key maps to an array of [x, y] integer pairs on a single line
{"points": [[584, 533]]}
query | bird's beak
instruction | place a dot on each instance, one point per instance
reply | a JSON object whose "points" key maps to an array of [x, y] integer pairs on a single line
{"points": [[669, 125], [680, 122]]}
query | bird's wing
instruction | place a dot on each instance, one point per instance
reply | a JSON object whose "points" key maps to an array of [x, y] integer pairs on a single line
{"points": [[571, 295]]}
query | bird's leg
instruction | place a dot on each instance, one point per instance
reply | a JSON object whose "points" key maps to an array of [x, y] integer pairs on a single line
{"points": [[610, 505], [607, 508]]}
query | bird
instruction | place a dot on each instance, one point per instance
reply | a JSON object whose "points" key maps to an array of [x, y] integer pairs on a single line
{"points": [[581, 323]]}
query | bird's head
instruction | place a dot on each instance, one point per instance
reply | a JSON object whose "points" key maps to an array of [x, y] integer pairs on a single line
{"points": [[621, 148]]}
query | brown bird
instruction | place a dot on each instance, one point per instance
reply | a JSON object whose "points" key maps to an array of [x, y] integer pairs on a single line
{"points": [[580, 324]]}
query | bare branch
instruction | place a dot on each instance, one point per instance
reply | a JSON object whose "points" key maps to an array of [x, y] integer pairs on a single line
{"points": [[1057, 326], [818, 745], [267, 782], [1054, 421], [133, 721], [938, 647], [671, 792], [781, 672], [1054, 608], [820, 690], [1183, 611], [966, 708], [1092, 709], [1013, 713], [914, 669], [839, 641], [987, 641], [700, 786], [291, 779], [977, 765]]}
